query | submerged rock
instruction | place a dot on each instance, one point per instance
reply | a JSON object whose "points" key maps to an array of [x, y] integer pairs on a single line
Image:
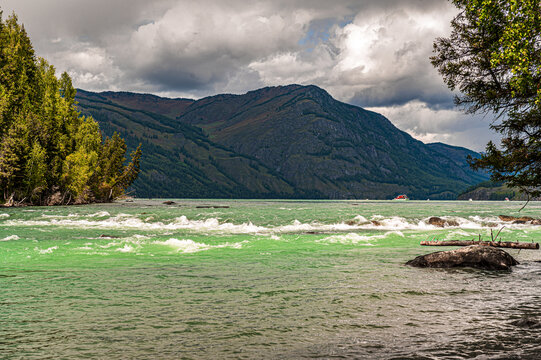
{"points": [[520, 220], [476, 256], [169, 202], [105, 236], [436, 221]]}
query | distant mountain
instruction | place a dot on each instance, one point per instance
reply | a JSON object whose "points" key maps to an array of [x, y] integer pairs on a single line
{"points": [[277, 142]]}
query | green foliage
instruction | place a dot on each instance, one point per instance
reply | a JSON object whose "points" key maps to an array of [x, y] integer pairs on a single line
{"points": [[493, 57], [47, 150]]}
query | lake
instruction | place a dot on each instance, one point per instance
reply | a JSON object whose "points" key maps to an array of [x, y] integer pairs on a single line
{"points": [[221, 279]]}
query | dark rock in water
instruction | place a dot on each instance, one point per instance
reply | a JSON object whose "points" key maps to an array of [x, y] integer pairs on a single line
{"points": [[507, 218], [169, 202], [436, 221], [104, 236], [476, 256], [520, 220]]}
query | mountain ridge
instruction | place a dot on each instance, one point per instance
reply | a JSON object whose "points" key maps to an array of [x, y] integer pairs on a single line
{"points": [[307, 145]]}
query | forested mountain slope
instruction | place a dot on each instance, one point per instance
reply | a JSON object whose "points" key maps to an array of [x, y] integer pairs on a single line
{"points": [[287, 141]]}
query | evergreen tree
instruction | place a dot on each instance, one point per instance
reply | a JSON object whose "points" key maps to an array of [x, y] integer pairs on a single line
{"points": [[493, 57], [50, 154]]}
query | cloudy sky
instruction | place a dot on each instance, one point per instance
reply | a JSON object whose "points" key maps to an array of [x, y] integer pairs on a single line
{"points": [[370, 53]]}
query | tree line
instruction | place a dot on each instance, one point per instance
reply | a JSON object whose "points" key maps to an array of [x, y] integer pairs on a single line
{"points": [[49, 153]]}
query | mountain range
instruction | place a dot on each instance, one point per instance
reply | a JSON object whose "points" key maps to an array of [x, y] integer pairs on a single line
{"points": [[277, 142]]}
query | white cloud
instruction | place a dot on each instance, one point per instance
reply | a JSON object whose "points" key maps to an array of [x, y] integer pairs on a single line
{"points": [[443, 125], [369, 53], [204, 44]]}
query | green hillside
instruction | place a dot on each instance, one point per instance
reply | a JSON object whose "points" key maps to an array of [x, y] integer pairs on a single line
{"points": [[289, 141], [179, 160]]}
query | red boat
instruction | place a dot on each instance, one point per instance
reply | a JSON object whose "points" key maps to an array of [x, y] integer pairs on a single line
{"points": [[401, 197]]}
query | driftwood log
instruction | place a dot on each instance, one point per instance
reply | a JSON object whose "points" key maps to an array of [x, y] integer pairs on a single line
{"points": [[501, 244]]}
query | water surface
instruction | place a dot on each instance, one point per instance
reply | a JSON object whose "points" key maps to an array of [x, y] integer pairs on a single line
{"points": [[261, 279]]}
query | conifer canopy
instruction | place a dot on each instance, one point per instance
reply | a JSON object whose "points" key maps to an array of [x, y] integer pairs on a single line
{"points": [[493, 57], [49, 153]]}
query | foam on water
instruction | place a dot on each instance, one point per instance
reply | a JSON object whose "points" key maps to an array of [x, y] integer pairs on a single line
{"points": [[46, 251], [126, 221], [126, 249], [99, 214], [213, 224], [190, 246], [354, 238], [4, 216], [11, 237], [377, 222]]}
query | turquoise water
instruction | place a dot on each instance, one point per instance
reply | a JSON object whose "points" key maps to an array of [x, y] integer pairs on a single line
{"points": [[261, 279]]}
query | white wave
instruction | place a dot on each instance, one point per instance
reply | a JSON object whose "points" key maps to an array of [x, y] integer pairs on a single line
{"points": [[184, 245], [11, 237], [123, 222], [46, 251], [213, 224], [361, 219], [190, 246], [315, 226], [4, 216], [99, 214], [140, 237], [354, 238], [47, 216], [84, 248], [351, 238], [126, 249]]}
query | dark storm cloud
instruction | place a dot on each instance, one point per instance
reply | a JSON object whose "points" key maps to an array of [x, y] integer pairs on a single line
{"points": [[370, 53]]}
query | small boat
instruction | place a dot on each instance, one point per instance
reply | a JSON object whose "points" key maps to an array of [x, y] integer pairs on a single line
{"points": [[401, 197], [506, 199]]}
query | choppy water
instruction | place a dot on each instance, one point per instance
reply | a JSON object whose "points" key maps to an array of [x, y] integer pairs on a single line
{"points": [[260, 279]]}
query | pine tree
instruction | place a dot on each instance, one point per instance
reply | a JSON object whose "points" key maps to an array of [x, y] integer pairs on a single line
{"points": [[47, 150]]}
